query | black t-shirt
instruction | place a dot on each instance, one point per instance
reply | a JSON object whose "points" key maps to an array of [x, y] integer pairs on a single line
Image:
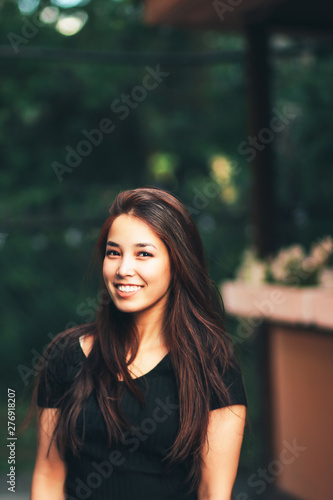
{"points": [[133, 469]]}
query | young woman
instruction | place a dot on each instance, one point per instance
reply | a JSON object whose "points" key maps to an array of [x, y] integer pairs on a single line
{"points": [[147, 402]]}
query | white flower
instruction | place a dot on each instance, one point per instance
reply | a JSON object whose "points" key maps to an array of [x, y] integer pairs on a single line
{"points": [[322, 250], [287, 265], [296, 252], [309, 264], [251, 270]]}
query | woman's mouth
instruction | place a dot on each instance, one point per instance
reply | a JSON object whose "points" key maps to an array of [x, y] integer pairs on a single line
{"points": [[127, 291]]}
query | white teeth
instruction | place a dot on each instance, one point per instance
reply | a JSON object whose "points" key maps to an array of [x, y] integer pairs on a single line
{"points": [[127, 288]]}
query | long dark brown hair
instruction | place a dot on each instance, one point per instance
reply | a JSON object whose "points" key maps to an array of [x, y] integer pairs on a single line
{"points": [[193, 328]]}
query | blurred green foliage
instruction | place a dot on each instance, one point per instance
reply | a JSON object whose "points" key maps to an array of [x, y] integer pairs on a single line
{"points": [[170, 139]]}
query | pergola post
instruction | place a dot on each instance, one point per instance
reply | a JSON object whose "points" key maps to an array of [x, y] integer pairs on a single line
{"points": [[260, 141], [262, 211]]}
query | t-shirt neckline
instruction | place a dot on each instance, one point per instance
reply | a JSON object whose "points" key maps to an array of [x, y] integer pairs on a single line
{"points": [[161, 362]]}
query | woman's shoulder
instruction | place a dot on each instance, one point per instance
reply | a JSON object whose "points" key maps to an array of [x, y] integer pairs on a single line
{"points": [[61, 360], [232, 376], [64, 349], [62, 357]]}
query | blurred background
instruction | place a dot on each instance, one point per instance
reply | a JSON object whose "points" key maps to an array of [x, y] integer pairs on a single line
{"points": [[229, 106]]}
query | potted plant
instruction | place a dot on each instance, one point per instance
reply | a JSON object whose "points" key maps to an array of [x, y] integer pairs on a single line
{"points": [[290, 266], [292, 292]]}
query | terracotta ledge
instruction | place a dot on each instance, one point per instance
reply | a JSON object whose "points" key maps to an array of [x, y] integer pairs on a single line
{"points": [[307, 306]]}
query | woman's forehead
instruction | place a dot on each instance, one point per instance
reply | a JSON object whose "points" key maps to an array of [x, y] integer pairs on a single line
{"points": [[131, 230]]}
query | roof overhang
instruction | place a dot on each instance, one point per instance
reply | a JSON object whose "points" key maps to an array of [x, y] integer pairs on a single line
{"points": [[236, 15]]}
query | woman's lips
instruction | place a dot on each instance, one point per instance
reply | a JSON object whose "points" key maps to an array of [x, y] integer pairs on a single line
{"points": [[127, 294]]}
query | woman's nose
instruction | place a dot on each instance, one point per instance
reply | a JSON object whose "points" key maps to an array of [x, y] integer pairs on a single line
{"points": [[125, 267]]}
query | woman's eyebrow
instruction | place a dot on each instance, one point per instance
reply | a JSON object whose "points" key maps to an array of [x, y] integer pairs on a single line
{"points": [[141, 245]]}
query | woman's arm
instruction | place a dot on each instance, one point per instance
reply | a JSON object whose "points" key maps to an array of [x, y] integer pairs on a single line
{"points": [[221, 457], [49, 473]]}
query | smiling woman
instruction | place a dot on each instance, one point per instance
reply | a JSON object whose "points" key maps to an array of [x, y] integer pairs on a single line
{"points": [[148, 400], [149, 272]]}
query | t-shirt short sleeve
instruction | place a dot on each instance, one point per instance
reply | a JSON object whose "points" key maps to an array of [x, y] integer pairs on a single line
{"points": [[52, 383], [233, 380]]}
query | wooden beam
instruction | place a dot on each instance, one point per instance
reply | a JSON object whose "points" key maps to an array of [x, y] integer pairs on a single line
{"points": [[263, 195], [285, 16]]}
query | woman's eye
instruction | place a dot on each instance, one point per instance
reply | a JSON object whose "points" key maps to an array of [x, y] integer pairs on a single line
{"points": [[109, 252]]}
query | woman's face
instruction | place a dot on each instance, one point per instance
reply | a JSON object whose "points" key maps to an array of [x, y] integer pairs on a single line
{"points": [[136, 256]]}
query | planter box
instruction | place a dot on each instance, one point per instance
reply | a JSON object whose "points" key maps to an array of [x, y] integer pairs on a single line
{"points": [[310, 306], [300, 373]]}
